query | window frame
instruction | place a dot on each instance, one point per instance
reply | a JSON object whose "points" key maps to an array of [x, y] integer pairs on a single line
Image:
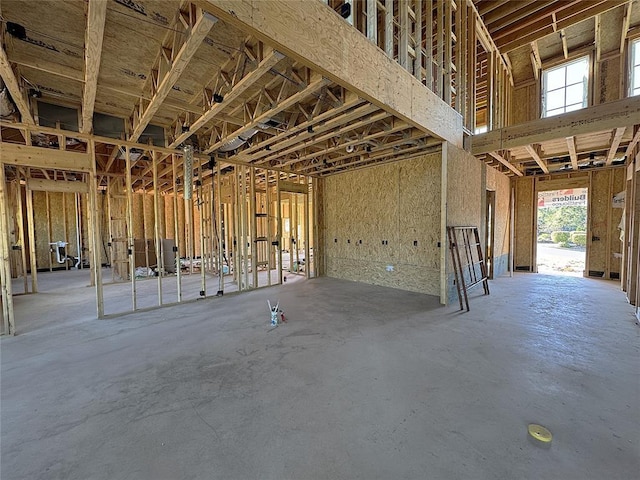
{"points": [[586, 85], [633, 43]]}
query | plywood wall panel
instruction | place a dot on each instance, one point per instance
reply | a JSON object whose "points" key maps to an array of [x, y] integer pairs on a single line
{"points": [[524, 224], [397, 204], [500, 184], [600, 205]]}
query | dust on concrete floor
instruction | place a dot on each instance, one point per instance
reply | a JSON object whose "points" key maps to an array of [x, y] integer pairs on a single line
{"points": [[362, 382]]}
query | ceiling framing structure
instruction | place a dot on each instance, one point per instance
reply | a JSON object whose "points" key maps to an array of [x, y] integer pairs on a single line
{"points": [[209, 74]]}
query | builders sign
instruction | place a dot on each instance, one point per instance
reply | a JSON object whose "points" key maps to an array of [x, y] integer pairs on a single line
{"points": [[573, 197]]}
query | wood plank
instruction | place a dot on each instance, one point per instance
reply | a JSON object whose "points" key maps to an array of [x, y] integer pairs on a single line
{"points": [[534, 152], [10, 80], [182, 59], [506, 163], [346, 57], [607, 116], [571, 145], [96, 16], [388, 28], [372, 21], [42, 185], [615, 143], [14, 154]]}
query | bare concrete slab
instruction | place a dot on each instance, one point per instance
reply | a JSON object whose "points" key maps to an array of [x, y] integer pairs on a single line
{"points": [[362, 382]]}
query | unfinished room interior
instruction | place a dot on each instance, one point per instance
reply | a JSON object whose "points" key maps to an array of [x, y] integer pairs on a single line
{"points": [[300, 239]]}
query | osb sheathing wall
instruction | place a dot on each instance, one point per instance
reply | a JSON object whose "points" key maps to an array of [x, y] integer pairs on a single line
{"points": [[466, 195], [382, 225], [500, 183], [603, 235]]}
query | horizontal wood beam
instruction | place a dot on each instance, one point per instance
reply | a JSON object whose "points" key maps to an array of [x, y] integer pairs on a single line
{"points": [[313, 34], [96, 16], [42, 185], [606, 116], [10, 80], [189, 48], [38, 157]]}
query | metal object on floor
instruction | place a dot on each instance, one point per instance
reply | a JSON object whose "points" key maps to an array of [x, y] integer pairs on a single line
{"points": [[466, 274]]}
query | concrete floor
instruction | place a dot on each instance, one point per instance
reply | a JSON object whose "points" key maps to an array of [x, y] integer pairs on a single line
{"points": [[362, 382]]}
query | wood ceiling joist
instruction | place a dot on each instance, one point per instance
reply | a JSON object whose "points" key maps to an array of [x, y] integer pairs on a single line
{"points": [[504, 161], [96, 16], [571, 145], [13, 86], [487, 6], [534, 151], [513, 12], [545, 26], [615, 143], [398, 127], [288, 102], [316, 140], [297, 141], [197, 33], [237, 89]]}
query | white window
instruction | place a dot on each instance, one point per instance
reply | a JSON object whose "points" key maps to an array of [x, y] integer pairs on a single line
{"points": [[634, 85], [565, 88]]}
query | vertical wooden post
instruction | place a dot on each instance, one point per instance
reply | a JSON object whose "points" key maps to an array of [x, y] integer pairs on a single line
{"points": [[48, 206], [21, 238], [448, 57], [440, 49], [156, 227], [245, 227], [176, 228], [428, 7], [32, 240], [95, 235], [254, 227], [279, 230], [202, 212], [65, 218], [388, 28], [403, 46], [443, 225], [131, 242], [307, 263], [219, 220], [417, 70], [79, 251], [5, 266], [269, 233], [372, 21], [490, 87]]}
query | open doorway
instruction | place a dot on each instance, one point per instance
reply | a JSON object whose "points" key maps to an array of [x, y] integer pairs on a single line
{"points": [[562, 232]]}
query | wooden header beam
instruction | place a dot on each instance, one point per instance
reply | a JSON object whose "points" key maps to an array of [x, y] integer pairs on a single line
{"points": [[96, 16], [606, 116], [29, 156], [42, 185], [10, 80], [313, 34]]}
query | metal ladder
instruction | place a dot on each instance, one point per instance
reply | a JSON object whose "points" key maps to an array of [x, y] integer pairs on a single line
{"points": [[466, 274]]}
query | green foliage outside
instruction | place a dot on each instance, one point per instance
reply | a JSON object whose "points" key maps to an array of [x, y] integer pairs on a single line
{"points": [[544, 238], [579, 238], [560, 237], [564, 245], [568, 219]]}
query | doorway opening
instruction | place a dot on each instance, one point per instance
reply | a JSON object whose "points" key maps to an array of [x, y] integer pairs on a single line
{"points": [[562, 232]]}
